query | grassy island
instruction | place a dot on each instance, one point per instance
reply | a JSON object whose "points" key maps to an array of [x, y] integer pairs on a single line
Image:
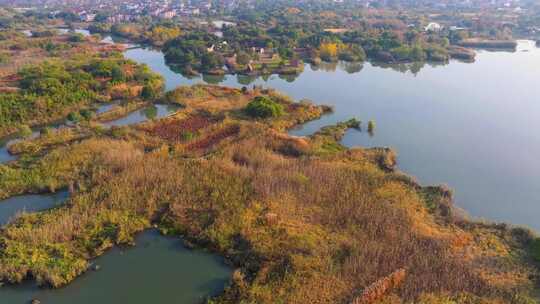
{"points": [[489, 43], [303, 219]]}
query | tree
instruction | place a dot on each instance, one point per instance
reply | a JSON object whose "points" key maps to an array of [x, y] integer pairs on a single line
{"points": [[328, 51], [76, 37], [160, 34], [264, 107], [417, 53], [211, 61], [149, 92], [242, 58], [25, 131], [117, 74], [371, 126]]}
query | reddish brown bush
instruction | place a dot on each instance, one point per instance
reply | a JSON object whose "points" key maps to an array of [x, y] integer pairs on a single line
{"points": [[379, 288], [174, 130], [214, 138]]}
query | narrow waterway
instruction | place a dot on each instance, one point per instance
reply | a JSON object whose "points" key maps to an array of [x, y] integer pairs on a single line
{"points": [[154, 111], [469, 125], [30, 203], [5, 156]]}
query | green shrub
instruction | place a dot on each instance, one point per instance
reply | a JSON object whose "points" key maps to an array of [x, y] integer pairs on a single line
{"points": [[535, 248], [47, 131], [86, 114], [149, 92], [264, 107], [371, 126], [76, 37], [74, 117], [25, 131], [119, 132], [186, 135]]}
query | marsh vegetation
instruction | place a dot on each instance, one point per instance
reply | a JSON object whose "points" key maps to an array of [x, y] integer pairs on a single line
{"points": [[303, 219]]}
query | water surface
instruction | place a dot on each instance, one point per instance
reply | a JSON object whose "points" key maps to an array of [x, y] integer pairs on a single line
{"points": [[30, 203], [5, 142], [150, 112], [469, 125], [154, 111], [5, 156], [158, 270]]}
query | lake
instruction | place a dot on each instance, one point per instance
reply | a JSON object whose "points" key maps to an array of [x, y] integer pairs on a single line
{"points": [[471, 126], [158, 270]]}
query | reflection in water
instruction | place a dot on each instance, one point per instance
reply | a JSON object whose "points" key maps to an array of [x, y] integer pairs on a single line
{"points": [[325, 66], [446, 122], [150, 112], [288, 77], [245, 79], [158, 270], [105, 107], [213, 79], [351, 67]]}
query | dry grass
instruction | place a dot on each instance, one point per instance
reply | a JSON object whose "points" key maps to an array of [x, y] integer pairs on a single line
{"points": [[320, 225]]}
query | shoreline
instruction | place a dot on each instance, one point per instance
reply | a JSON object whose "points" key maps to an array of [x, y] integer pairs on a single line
{"points": [[165, 157]]}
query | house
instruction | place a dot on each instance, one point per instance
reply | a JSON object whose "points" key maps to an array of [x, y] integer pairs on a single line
{"points": [[454, 28], [433, 27], [88, 17], [257, 50], [168, 14]]}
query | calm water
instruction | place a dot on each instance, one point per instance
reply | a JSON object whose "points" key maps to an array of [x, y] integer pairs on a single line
{"points": [[5, 142], [105, 107], [4, 154], [30, 203], [158, 270], [151, 112], [471, 126]]}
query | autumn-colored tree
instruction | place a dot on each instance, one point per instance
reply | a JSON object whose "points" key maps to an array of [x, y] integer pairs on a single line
{"points": [[328, 50], [161, 34], [293, 10]]}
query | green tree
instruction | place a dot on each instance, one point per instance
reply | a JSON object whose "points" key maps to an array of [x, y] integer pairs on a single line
{"points": [[242, 58], [25, 131], [264, 107]]}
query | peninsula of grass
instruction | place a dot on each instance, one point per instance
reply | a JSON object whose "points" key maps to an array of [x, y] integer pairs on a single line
{"points": [[303, 219]]}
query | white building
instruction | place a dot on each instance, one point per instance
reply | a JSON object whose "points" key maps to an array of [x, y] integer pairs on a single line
{"points": [[168, 14], [433, 27]]}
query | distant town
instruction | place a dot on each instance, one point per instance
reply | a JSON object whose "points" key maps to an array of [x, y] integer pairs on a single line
{"points": [[514, 14]]}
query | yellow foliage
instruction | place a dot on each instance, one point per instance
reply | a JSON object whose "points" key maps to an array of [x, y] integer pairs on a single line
{"points": [[328, 50], [161, 34], [293, 10]]}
